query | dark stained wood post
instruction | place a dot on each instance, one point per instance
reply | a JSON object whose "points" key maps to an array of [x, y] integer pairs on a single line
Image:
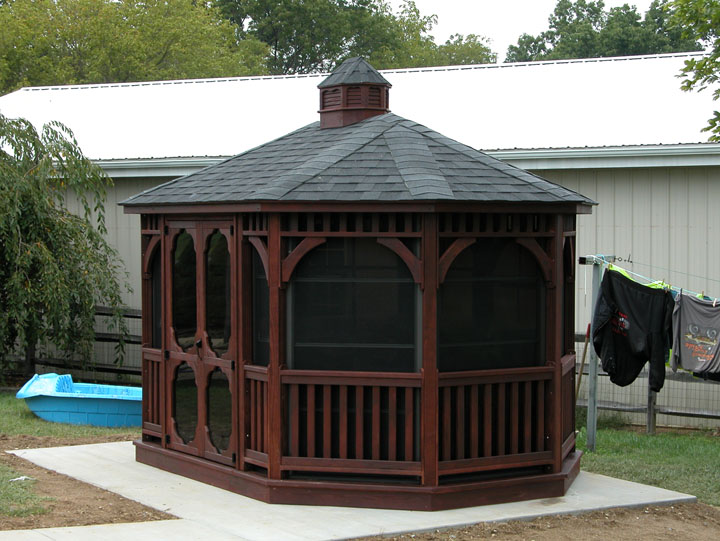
{"points": [[201, 239], [274, 428], [166, 266], [429, 391], [241, 308], [556, 338]]}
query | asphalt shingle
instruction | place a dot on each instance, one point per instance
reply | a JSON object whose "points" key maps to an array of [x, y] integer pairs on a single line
{"points": [[383, 158]]}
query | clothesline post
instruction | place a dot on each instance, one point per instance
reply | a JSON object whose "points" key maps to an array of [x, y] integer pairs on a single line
{"points": [[598, 262], [651, 417]]}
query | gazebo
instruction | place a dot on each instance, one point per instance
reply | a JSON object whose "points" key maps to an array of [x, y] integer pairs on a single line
{"points": [[362, 312]]}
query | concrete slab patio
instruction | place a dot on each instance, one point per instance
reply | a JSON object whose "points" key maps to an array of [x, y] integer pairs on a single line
{"points": [[207, 512]]}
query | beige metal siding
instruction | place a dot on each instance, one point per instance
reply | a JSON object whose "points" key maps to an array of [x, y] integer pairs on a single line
{"points": [[124, 229], [666, 219]]}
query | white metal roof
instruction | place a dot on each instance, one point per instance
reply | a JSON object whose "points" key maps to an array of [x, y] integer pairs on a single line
{"points": [[616, 102]]}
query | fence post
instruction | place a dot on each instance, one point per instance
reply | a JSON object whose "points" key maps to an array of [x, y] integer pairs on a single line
{"points": [[651, 411]]}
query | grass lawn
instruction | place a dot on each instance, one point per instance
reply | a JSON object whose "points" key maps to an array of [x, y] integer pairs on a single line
{"points": [[17, 497], [686, 462], [16, 419]]}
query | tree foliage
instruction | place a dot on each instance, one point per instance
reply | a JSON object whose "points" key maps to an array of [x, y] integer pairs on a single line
{"points": [[56, 265], [308, 36], [48, 42], [701, 18], [583, 29]]}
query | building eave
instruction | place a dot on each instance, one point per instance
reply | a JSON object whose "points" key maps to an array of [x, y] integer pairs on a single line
{"points": [[683, 155], [156, 167], [619, 157]]}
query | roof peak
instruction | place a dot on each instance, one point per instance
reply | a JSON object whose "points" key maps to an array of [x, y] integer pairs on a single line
{"points": [[354, 71]]}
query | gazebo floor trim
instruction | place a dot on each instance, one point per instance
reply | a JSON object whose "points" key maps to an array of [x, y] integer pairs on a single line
{"points": [[384, 496]]}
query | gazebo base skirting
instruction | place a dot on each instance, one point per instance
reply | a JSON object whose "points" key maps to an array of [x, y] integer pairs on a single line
{"points": [[464, 493]]}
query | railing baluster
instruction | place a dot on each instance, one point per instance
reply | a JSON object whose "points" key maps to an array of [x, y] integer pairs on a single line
{"points": [[501, 409], [327, 421], [157, 393], [514, 418], [447, 426], [375, 423], [343, 421], [392, 423], [487, 419], [540, 416], [527, 418], [474, 421], [294, 420], [253, 416], [460, 423], [264, 416], [359, 422], [311, 421], [409, 423]]}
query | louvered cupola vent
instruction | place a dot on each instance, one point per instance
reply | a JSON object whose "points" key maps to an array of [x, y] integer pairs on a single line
{"points": [[353, 92]]}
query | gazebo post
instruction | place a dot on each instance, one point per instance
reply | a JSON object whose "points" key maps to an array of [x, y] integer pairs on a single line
{"points": [[240, 304], [429, 394], [274, 430], [557, 339]]}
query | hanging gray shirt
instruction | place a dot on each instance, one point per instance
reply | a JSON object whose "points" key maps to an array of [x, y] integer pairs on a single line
{"points": [[696, 330]]}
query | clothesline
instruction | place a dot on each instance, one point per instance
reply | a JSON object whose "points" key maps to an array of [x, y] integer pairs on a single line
{"points": [[669, 270], [653, 281]]}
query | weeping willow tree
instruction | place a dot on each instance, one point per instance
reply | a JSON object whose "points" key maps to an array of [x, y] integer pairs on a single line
{"points": [[55, 266]]}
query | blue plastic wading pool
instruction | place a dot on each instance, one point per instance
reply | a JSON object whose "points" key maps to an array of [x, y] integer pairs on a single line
{"points": [[58, 399]]}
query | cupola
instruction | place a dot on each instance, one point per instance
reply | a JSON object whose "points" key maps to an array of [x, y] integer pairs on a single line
{"points": [[353, 92]]}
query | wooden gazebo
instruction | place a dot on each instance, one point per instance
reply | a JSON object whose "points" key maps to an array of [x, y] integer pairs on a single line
{"points": [[362, 312]]}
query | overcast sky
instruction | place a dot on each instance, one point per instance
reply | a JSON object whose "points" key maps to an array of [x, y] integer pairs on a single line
{"points": [[500, 20]]}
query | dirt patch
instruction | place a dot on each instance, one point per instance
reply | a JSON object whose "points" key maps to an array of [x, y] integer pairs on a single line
{"points": [[696, 522], [70, 502], [73, 503]]}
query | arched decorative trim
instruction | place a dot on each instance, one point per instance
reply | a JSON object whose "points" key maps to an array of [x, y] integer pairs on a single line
{"points": [[544, 261], [262, 250], [413, 262], [153, 244], [300, 251], [450, 255]]}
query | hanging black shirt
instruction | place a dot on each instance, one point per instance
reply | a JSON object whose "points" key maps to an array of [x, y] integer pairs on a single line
{"points": [[631, 325]]}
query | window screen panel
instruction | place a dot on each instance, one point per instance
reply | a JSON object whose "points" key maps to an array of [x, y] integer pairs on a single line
{"points": [[353, 308], [491, 309]]}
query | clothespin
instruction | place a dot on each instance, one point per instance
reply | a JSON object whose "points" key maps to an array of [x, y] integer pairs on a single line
{"points": [[714, 302]]}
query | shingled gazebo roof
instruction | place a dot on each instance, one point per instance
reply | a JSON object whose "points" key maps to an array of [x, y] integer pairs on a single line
{"points": [[359, 152], [384, 158]]}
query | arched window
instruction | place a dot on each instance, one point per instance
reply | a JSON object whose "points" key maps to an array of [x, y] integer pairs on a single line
{"points": [[217, 293], [352, 306], [491, 309], [184, 299]]}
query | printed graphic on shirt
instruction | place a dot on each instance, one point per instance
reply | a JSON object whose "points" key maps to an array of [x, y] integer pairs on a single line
{"points": [[700, 342]]}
